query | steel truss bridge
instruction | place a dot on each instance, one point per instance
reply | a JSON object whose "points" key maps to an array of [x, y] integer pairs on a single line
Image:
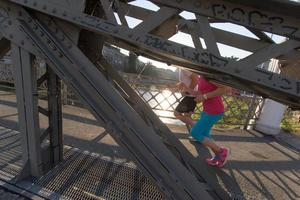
{"points": [[69, 35]]}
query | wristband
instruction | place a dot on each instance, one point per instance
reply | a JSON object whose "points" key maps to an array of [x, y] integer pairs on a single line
{"points": [[205, 96]]}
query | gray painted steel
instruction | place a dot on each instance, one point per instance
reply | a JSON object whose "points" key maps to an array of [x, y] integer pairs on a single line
{"points": [[285, 89], [248, 16], [55, 117], [106, 105], [160, 155], [27, 101]]}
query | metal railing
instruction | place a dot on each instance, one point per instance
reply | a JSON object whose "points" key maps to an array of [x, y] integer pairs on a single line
{"points": [[242, 109]]}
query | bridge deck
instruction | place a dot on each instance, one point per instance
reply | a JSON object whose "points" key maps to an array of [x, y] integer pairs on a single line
{"points": [[260, 167]]}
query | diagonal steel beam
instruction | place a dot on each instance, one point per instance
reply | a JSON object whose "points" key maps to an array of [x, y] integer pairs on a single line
{"points": [[178, 54], [208, 35], [106, 105], [143, 14], [146, 113], [122, 15], [108, 10], [195, 32], [271, 51], [154, 21], [261, 35], [172, 52], [244, 15], [223, 37], [135, 11]]}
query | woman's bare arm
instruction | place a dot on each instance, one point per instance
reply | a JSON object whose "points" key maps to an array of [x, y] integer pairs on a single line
{"points": [[219, 91]]}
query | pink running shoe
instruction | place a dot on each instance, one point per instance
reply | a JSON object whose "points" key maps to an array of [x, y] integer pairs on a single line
{"points": [[224, 154], [213, 161]]}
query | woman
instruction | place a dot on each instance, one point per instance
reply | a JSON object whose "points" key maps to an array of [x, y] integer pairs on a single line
{"points": [[186, 106], [210, 94]]}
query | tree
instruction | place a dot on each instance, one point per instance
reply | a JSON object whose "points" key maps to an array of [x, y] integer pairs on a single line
{"points": [[131, 66]]}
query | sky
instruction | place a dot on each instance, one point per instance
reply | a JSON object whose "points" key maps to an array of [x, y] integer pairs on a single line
{"points": [[186, 39]]}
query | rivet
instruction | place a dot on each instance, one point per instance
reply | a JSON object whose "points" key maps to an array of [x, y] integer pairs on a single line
{"points": [[34, 3], [44, 7], [11, 36], [60, 55], [54, 10], [25, 1], [64, 14], [9, 22], [22, 42]]}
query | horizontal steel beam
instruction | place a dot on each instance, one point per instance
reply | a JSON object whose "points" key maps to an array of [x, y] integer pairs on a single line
{"points": [[287, 90]]}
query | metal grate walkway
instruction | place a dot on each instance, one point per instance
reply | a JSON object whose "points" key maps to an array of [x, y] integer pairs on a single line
{"points": [[82, 175]]}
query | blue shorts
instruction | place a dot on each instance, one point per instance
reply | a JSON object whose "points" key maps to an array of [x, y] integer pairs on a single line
{"points": [[203, 126]]}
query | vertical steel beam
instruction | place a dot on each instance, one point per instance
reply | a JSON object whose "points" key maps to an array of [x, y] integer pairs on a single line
{"points": [[27, 101], [250, 111], [155, 20], [90, 43], [109, 13], [107, 105], [208, 35], [55, 116]]}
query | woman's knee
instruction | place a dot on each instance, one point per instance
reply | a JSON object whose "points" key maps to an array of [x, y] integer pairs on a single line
{"points": [[198, 135], [177, 114]]}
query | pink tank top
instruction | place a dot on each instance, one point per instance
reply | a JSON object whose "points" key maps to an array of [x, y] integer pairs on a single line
{"points": [[213, 105]]}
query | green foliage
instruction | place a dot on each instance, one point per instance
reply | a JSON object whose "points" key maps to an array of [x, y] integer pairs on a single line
{"points": [[290, 122], [236, 112], [131, 66]]}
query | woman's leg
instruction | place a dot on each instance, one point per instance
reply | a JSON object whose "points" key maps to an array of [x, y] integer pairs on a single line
{"points": [[184, 110], [185, 118], [201, 130], [212, 145]]}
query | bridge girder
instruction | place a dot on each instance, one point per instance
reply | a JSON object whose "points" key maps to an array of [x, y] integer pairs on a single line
{"points": [[50, 29]]}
